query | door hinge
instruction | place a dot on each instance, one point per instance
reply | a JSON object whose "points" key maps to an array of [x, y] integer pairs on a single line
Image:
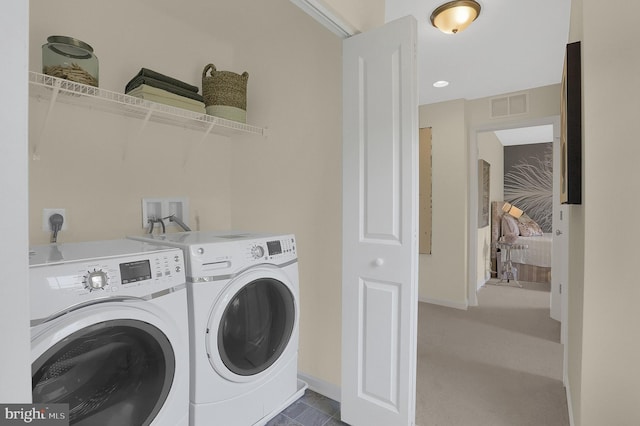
{"points": [[560, 289]]}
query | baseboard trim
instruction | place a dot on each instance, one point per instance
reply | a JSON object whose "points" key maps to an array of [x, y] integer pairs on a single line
{"points": [[481, 282], [569, 404], [447, 303], [322, 387]]}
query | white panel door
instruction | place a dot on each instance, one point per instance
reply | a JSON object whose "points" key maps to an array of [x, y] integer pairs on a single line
{"points": [[380, 203]]}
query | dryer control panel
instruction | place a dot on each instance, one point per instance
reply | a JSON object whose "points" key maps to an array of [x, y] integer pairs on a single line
{"points": [[214, 255], [207, 262], [273, 249]]}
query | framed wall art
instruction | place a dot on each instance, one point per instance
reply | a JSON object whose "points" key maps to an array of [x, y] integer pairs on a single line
{"points": [[484, 185], [571, 127], [424, 240]]}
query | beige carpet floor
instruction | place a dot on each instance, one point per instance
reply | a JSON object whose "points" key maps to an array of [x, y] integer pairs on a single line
{"points": [[497, 364]]}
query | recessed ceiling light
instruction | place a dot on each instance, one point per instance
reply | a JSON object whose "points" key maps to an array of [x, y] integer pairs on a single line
{"points": [[441, 83]]}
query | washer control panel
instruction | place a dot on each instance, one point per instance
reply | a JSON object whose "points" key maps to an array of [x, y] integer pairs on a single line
{"points": [[109, 275], [63, 283], [96, 279], [257, 251]]}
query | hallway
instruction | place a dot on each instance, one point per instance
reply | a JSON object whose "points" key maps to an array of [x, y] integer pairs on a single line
{"points": [[497, 364]]}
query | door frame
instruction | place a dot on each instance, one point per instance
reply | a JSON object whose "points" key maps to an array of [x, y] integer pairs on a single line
{"points": [[472, 218], [15, 364]]}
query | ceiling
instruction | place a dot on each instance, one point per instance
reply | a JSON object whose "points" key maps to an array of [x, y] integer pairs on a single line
{"points": [[514, 45]]}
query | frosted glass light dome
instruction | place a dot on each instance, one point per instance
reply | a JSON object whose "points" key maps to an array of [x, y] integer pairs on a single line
{"points": [[455, 16]]}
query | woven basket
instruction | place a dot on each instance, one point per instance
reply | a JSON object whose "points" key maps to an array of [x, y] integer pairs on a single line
{"points": [[224, 89]]}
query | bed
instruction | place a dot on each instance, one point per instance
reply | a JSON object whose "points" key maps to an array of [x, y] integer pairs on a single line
{"points": [[534, 263]]}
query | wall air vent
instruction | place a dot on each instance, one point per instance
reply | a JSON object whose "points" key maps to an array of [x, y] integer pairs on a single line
{"points": [[506, 106]]}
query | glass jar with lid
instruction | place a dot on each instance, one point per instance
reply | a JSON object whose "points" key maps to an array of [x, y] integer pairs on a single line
{"points": [[71, 59]]}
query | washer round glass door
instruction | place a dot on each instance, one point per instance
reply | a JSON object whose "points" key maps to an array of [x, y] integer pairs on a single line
{"points": [[252, 324], [114, 371]]}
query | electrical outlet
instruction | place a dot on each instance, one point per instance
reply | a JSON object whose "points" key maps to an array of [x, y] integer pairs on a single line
{"points": [[46, 214], [159, 208]]}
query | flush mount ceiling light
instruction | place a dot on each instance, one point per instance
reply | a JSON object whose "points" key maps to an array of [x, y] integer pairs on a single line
{"points": [[455, 16], [441, 83]]}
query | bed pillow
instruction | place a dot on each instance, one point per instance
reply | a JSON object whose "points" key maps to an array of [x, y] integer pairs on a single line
{"points": [[528, 227], [510, 225]]}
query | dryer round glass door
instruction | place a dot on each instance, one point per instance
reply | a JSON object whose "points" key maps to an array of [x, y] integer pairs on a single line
{"points": [[113, 372], [253, 327]]}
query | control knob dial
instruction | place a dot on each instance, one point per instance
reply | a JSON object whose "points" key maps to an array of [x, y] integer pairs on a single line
{"points": [[95, 280], [257, 251]]}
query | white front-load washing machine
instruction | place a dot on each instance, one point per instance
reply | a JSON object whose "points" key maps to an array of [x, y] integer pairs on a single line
{"points": [[109, 332], [242, 291]]}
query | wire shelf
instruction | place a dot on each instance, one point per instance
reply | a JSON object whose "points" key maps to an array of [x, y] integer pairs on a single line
{"points": [[57, 89]]}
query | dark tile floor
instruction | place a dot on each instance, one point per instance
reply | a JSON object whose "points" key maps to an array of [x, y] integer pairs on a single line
{"points": [[312, 409]]}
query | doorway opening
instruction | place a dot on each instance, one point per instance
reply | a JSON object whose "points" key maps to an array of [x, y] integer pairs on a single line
{"points": [[517, 170], [558, 300], [528, 182]]}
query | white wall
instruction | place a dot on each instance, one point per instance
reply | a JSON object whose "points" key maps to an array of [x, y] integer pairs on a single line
{"points": [[443, 273], [575, 293], [544, 102], [610, 376], [292, 181], [286, 182], [80, 166], [15, 365], [491, 150]]}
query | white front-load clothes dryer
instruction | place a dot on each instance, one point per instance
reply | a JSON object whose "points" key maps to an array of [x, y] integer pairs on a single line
{"points": [[242, 293], [109, 332]]}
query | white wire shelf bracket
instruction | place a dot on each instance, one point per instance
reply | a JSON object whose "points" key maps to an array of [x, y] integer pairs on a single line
{"points": [[60, 90]]}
